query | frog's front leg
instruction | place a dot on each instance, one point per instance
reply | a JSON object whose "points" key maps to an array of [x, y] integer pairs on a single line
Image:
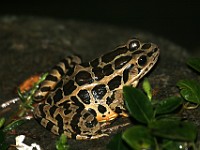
{"points": [[72, 121], [55, 74], [117, 103]]}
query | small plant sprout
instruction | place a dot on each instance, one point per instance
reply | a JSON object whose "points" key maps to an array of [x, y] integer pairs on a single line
{"points": [[147, 88]]}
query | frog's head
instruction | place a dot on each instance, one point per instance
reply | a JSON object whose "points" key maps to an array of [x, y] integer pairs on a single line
{"points": [[127, 63], [144, 56]]}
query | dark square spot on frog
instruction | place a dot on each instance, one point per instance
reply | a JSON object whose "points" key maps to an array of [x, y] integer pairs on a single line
{"points": [[77, 102], [121, 61], [45, 89], [150, 54], [92, 111], [74, 123], [59, 69], [138, 52], [91, 124], [95, 62], [38, 98], [49, 100], [99, 91], [69, 87], [108, 70], [111, 55], [65, 103], [101, 109], [51, 78], [155, 50], [52, 110], [118, 110], [126, 73], [58, 96], [66, 63], [85, 64], [84, 96], [49, 125], [59, 119], [109, 100], [41, 110], [67, 110], [87, 114], [70, 71], [146, 46], [98, 73], [83, 77], [114, 83], [58, 85]]}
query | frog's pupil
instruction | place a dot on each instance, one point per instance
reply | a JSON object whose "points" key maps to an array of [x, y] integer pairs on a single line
{"points": [[142, 60]]}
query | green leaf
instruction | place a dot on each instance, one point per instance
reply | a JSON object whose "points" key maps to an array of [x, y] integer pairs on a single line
{"points": [[194, 63], [139, 137], [62, 144], [190, 90], [3, 145], [174, 130], [2, 121], [13, 125], [174, 145], [117, 143], [147, 88], [2, 136], [168, 105], [138, 104]]}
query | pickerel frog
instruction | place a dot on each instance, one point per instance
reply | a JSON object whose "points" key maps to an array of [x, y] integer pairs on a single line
{"points": [[78, 97]]}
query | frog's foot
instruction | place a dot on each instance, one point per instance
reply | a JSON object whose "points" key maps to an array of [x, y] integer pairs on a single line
{"points": [[104, 124], [112, 129], [85, 137], [108, 117], [124, 114]]}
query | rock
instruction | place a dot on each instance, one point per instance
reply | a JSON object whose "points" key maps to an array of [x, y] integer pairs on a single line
{"points": [[30, 45]]}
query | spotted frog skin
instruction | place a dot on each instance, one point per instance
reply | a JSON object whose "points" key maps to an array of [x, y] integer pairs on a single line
{"points": [[76, 98]]}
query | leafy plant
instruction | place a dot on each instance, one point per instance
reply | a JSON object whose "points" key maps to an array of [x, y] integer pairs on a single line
{"points": [[62, 144], [194, 63], [4, 129], [190, 89], [14, 121], [27, 97], [154, 129], [147, 88]]}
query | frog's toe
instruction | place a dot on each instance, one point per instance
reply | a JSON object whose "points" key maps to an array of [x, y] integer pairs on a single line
{"points": [[86, 137], [99, 136]]}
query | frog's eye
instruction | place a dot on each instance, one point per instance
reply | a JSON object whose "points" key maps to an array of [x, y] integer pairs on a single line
{"points": [[142, 60], [134, 44]]}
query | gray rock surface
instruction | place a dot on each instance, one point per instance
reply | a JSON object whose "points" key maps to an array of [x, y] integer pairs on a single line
{"points": [[30, 45]]}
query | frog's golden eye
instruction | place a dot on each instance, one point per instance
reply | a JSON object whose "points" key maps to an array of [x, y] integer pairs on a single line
{"points": [[142, 60], [134, 45]]}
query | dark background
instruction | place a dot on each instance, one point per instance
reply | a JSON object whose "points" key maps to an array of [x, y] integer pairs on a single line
{"points": [[177, 21]]}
